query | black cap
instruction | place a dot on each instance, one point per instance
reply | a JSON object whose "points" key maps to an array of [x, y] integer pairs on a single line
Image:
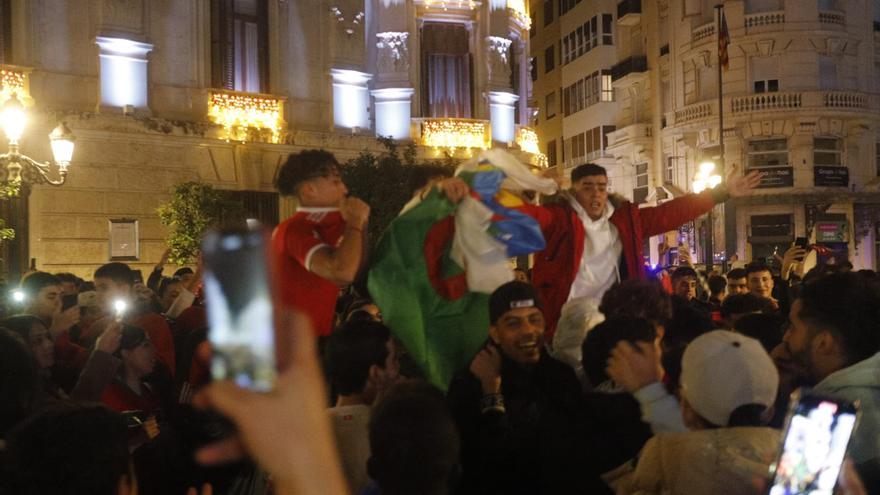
{"points": [[512, 295], [131, 337]]}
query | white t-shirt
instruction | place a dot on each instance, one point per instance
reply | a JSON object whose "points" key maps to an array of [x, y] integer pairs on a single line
{"points": [[351, 428], [598, 269]]}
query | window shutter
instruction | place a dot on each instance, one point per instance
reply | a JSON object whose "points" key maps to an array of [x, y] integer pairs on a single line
{"points": [[222, 46]]}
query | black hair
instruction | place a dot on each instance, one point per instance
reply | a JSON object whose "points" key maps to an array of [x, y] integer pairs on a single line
{"points": [[737, 273], [848, 305], [717, 284], [687, 323], [414, 443], [21, 325], [597, 346], [587, 170], [639, 298], [68, 448], [683, 271], [183, 271], [119, 273], [744, 304], [766, 328], [744, 415], [303, 166], [19, 380], [32, 283], [164, 284], [351, 350], [757, 266], [66, 277]]}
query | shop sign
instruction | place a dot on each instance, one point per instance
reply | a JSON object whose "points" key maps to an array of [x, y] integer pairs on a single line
{"points": [[831, 176], [775, 176], [831, 232]]}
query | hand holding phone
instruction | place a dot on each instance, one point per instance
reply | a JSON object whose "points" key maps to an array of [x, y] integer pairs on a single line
{"points": [[817, 433], [239, 307]]}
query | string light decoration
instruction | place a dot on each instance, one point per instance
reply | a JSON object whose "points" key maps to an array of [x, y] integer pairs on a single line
{"points": [[14, 83], [519, 11], [341, 18], [446, 4], [238, 112], [453, 134], [527, 140]]}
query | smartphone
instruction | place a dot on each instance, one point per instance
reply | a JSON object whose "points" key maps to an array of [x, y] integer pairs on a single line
{"points": [[801, 242], [68, 301], [138, 276], [817, 433], [239, 307]]}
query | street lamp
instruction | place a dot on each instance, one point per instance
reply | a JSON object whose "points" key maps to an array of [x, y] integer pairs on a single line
{"points": [[705, 178], [13, 121]]}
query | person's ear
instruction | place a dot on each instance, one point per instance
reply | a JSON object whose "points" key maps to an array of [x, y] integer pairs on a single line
{"points": [[374, 373], [824, 343], [493, 334]]}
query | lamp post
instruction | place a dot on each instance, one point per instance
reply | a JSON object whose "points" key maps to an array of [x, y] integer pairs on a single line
{"points": [[13, 121], [705, 178]]}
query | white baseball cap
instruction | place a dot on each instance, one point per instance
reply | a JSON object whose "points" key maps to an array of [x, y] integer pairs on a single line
{"points": [[723, 370]]}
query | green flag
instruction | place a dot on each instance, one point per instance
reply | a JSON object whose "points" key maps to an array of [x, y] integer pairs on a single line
{"points": [[423, 293]]}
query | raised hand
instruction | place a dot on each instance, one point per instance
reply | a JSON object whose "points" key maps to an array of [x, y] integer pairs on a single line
{"points": [[634, 368], [486, 366], [738, 186]]}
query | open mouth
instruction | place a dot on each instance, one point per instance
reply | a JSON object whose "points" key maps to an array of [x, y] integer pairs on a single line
{"points": [[595, 204], [528, 346]]}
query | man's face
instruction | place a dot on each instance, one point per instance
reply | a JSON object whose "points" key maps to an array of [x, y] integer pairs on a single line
{"points": [[68, 288], [46, 303], [325, 191], [761, 284], [518, 333], [685, 287], [170, 294], [591, 192], [141, 360], [109, 292], [40, 342], [798, 338], [737, 286]]}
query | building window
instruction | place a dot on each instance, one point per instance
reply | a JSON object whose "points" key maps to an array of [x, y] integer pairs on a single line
{"points": [[827, 152], [827, 73], [566, 5], [766, 153], [239, 45], [533, 68], [607, 89], [257, 205], [549, 59], [548, 12], [550, 105], [551, 153], [533, 29], [768, 86], [607, 34], [669, 172], [447, 78], [5, 32], [640, 191]]}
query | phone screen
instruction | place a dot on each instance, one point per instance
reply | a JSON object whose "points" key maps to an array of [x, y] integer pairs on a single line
{"points": [[818, 431], [239, 308]]}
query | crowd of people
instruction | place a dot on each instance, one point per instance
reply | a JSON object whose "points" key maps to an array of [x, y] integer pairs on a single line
{"points": [[597, 375]]}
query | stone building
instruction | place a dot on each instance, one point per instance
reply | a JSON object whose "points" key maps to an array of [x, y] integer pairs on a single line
{"points": [[220, 91], [800, 104]]}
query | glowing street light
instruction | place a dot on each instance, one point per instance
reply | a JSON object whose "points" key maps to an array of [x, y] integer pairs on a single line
{"points": [[13, 120], [705, 178]]}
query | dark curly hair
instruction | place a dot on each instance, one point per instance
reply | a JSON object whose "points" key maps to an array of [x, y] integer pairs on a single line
{"points": [[638, 298], [302, 166]]}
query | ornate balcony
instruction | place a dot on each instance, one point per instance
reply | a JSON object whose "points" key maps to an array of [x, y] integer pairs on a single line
{"points": [[454, 134], [765, 101], [703, 32], [247, 116], [764, 19], [694, 112], [832, 17], [768, 102]]}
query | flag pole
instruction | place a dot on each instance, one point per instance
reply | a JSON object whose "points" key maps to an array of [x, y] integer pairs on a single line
{"points": [[710, 237]]}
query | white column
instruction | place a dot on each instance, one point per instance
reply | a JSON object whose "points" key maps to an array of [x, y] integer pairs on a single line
{"points": [[123, 73], [393, 112], [501, 115], [351, 99]]}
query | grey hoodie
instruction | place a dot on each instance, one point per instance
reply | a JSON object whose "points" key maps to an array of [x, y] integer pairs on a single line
{"points": [[861, 382]]}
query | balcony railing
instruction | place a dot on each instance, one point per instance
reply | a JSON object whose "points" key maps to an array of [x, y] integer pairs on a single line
{"points": [[694, 112], [703, 32], [242, 114], [629, 12], [630, 133], [765, 101], [453, 134], [762, 19], [809, 99], [832, 17], [629, 66]]}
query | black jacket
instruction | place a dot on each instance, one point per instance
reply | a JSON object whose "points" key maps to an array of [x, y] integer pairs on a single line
{"points": [[532, 448]]}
